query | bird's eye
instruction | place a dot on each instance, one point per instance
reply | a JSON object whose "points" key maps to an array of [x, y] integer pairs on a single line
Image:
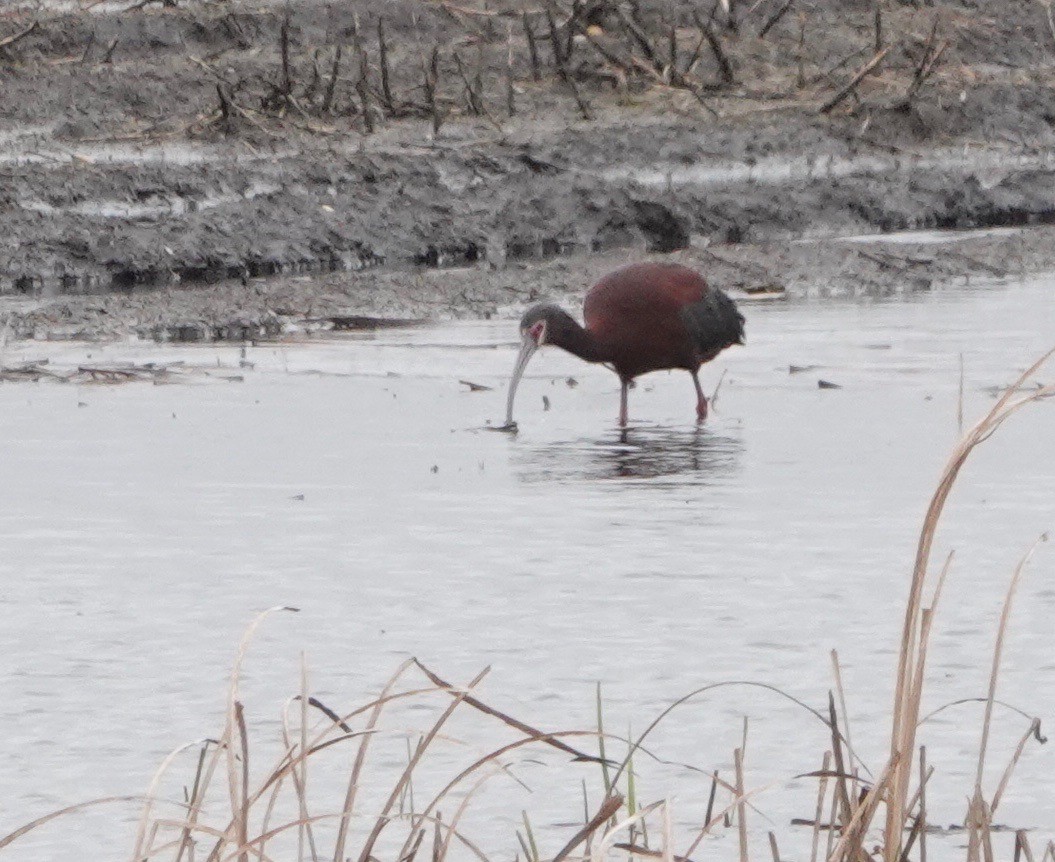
{"points": [[538, 332]]}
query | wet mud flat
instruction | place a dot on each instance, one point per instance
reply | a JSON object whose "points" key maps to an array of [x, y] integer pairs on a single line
{"points": [[191, 145], [284, 308]]}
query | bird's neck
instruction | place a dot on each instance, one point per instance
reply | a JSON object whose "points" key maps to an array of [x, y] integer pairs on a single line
{"points": [[584, 344]]}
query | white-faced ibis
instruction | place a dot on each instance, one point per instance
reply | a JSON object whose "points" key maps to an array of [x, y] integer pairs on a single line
{"points": [[644, 317]]}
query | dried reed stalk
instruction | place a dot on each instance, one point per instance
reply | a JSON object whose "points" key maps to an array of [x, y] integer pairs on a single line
{"points": [[912, 656]]}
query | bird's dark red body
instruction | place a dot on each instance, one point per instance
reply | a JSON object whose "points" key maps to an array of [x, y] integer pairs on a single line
{"points": [[641, 318], [638, 316]]}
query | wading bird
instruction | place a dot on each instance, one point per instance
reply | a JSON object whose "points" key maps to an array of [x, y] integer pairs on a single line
{"points": [[643, 317]]}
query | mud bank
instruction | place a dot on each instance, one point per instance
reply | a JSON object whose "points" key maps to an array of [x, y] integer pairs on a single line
{"points": [[298, 307], [191, 145]]}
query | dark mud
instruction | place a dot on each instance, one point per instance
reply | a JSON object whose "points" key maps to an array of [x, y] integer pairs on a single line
{"points": [[172, 148]]}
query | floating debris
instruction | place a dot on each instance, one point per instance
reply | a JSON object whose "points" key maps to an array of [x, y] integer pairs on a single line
{"points": [[475, 387], [157, 373], [827, 384]]}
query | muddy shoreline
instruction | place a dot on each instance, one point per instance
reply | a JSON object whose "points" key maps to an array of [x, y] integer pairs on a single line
{"points": [[151, 179]]}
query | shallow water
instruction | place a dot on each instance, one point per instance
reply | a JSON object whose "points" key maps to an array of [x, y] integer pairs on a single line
{"points": [[990, 167], [144, 525]]}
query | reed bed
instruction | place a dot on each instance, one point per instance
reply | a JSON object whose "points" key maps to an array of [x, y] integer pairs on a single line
{"points": [[235, 808]]}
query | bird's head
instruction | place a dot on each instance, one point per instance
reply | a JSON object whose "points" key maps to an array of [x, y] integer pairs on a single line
{"points": [[541, 324], [545, 324]]}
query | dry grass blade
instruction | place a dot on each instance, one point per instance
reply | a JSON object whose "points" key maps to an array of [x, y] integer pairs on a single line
{"points": [[850, 846], [916, 624], [608, 839], [441, 854], [1034, 731], [608, 808], [998, 651], [382, 819], [360, 760], [741, 814], [492, 757], [821, 792], [501, 716], [711, 687], [151, 795], [721, 816], [62, 812]]}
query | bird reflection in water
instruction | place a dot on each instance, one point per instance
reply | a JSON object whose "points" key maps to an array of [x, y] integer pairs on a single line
{"points": [[684, 456]]}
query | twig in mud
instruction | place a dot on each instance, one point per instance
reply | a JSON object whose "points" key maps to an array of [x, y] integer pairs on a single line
{"points": [[859, 76], [109, 55], [331, 86], [800, 73], [287, 78], [634, 29], [694, 57], [562, 69], [7, 41], [529, 34], [554, 40], [225, 104], [473, 99], [430, 85], [725, 68], [88, 47], [382, 59], [511, 106], [362, 89], [774, 19], [570, 26], [878, 26], [729, 7], [927, 65]]}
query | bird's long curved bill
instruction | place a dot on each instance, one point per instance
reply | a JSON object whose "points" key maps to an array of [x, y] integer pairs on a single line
{"points": [[527, 350]]}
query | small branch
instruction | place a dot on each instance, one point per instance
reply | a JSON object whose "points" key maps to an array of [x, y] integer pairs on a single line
{"points": [[225, 104], [331, 86], [878, 27], [774, 19], [800, 74], [927, 64], [529, 33], [88, 47], [562, 69], [554, 39], [382, 59], [430, 86], [640, 37], [109, 55], [854, 81], [694, 57], [362, 88], [725, 68], [472, 98], [287, 79], [511, 106]]}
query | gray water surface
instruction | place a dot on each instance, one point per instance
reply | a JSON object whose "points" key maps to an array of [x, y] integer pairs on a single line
{"points": [[143, 526]]}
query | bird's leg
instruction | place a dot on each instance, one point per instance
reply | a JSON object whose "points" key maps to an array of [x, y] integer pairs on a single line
{"points": [[701, 399], [624, 387]]}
